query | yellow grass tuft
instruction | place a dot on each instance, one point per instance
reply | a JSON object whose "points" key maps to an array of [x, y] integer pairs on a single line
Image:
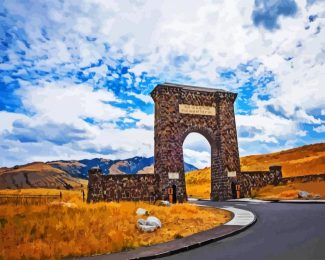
{"points": [[74, 228]]}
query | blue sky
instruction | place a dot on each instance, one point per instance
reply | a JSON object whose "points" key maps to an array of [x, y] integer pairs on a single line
{"points": [[75, 76]]}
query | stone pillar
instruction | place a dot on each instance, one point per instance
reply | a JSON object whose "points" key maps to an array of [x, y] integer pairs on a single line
{"points": [[95, 187], [276, 170], [227, 141]]}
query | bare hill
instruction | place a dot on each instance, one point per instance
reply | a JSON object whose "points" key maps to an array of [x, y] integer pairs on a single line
{"points": [[38, 175]]}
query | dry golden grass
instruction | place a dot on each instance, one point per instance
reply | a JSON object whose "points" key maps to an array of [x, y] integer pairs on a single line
{"points": [[309, 159], [290, 191], [73, 228], [198, 191], [198, 183]]}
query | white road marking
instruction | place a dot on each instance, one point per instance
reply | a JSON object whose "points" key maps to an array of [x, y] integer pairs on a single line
{"points": [[249, 200], [303, 201], [241, 217]]}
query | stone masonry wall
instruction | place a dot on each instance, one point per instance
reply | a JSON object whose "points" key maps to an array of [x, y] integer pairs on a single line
{"points": [[259, 179], [122, 187], [306, 178]]}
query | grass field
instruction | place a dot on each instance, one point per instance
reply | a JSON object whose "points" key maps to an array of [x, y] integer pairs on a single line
{"points": [[198, 183], [74, 228]]}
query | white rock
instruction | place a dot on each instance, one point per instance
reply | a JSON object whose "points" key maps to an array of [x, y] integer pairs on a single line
{"points": [[303, 194], [164, 203], [147, 228], [316, 197], [153, 221], [141, 222], [141, 211], [149, 225], [143, 226]]}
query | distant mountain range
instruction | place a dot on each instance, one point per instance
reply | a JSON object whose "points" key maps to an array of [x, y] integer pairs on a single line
{"points": [[67, 174], [135, 165]]}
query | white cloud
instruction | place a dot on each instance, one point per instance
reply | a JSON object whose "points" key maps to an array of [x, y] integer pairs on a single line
{"points": [[25, 152], [266, 127], [322, 112], [40, 139], [145, 120], [198, 159], [69, 103], [197, 150], [319, 129], [56, 128], [7, 119], [117, 143], [145, 98]]}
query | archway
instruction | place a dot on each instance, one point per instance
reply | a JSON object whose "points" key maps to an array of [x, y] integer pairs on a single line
{"points": [[197, 152], [180, 110]]}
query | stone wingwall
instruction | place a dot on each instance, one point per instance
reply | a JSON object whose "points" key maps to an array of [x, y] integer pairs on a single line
{"points": [[258, 179], [146, 186], [306, 178], [122, 187]]}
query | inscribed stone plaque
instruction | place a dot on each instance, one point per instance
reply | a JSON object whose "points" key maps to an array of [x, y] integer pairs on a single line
{"points": [[197, 110], [173, 175], [232, 174]]}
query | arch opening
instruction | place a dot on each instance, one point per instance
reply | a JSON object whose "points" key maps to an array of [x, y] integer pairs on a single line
{"points": [[197, 153]]}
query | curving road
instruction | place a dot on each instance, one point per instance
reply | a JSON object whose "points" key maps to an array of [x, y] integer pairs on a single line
{"points": [[282, 231]]}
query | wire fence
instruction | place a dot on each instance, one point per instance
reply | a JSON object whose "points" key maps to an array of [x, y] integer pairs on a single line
{"points": [[18, 199]]}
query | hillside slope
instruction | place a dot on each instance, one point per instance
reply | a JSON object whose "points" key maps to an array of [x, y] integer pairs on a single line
{"points": [[40, 175], [304, 160]]}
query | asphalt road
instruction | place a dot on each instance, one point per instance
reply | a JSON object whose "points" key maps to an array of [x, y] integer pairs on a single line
{"points": [[282, 231]]}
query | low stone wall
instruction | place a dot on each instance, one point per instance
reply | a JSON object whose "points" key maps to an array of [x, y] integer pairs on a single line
{"points": [[306, 178], [146, 186], [258, 179], [121, 187]]}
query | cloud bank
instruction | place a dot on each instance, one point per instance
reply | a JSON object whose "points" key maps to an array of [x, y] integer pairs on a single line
{"points": [[76, 76]]}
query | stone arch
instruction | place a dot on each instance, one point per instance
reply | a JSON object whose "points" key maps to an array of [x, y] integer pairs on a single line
{"points": [[180, 110], [200, 130]]}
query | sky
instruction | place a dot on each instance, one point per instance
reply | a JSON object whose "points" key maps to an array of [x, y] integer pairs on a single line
{"points": [[75, 76]]}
